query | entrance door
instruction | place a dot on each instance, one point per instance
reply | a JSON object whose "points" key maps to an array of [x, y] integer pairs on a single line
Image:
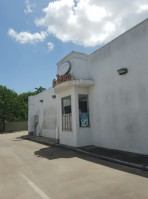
{"points": [[83, 110], [66, 114]]}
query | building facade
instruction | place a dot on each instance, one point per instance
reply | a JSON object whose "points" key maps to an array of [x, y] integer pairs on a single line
{"points": [[99, 99]]}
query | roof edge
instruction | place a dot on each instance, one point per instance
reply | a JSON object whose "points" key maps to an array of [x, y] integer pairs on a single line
{"points": [[129, 30], [71, 54]]}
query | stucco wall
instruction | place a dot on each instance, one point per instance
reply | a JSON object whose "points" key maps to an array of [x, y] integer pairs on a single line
{"points": [[118, 109], [79, 69], [119, 104], [67, 137], [45, 107], [84, 134]]}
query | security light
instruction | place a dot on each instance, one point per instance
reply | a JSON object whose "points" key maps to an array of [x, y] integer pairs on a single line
{"points": [[122, 71], [53, 96]]}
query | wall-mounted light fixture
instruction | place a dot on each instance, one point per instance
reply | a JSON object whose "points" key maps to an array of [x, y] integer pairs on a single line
{"points": [[53, 96], [122, 71], [41, 101]]}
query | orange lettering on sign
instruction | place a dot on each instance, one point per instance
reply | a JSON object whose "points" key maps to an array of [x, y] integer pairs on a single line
{"points": [[61, 79]]}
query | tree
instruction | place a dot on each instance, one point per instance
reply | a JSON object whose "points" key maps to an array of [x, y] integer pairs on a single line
{"points": [[23, 97], [9, 105], [14, 107], [39, 90]]}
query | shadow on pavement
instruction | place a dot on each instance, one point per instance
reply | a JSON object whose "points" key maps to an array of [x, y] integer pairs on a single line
{"points": [[18, 139], [53, 152]]}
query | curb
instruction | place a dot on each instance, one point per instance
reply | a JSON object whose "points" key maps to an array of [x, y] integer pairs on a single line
{"points": [[121, 162], [38, 141]]}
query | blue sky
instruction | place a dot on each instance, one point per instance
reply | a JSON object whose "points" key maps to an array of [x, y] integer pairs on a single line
{"points": [[36, 34]]}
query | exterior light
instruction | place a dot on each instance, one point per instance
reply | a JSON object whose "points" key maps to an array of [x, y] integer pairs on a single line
{"points": [[41, 101], [122, 71], [53, 96]]}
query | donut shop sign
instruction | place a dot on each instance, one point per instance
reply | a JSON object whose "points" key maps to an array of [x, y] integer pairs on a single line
{"points": [[63, 74]]}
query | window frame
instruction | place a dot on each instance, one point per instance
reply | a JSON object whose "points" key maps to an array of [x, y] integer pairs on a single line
{"points": [[84, 115], [66, 117]]}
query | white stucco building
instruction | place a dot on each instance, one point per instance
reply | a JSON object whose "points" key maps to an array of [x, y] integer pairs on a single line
{"points": [[95, 105]]}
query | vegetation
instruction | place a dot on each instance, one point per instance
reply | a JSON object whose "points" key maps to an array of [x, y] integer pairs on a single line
{"points": [[39, 90], [14, 107]]}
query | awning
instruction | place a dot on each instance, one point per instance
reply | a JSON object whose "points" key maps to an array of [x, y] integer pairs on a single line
{"points": [[68, 84]]}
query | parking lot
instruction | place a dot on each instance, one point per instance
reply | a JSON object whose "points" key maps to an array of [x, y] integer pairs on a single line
{"points": [[35, 171]]}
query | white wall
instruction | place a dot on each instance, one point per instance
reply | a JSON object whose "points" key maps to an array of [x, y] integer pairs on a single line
{"points": [[119, 104], [84, 134], [67, 137], [78, 136], [79, 65], [47, 112]]}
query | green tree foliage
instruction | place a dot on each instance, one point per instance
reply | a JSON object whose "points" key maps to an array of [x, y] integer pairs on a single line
{"points": [[14, 107], [40, 89], [9, 105], [23, 98]]}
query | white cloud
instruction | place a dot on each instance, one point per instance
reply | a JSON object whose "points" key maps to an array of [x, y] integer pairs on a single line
{"points": [[142, 8], [29, 7], [26, 37], [91, 22], [84, 22], [50, 46]]}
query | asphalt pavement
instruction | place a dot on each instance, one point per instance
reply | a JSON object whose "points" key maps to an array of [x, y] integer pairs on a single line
{"points": [[134, 160], [30, 170]]}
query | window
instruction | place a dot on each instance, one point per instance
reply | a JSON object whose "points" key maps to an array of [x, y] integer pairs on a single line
{"points": [[83, 110], [66, 114]]}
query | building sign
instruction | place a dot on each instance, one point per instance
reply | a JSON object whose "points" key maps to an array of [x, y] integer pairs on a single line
{"points": [[63, 74], [84, 120], [64, 68], [62, 78]]}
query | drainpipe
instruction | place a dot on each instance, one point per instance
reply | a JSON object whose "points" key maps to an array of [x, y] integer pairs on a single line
{"points": [[57, 135]]}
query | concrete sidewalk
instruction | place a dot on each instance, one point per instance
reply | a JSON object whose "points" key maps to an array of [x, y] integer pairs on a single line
{"points": [[39, 139], [124, 158]]}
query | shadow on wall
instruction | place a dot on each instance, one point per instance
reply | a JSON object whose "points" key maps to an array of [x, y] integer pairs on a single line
{"points": [[53, 152]]}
